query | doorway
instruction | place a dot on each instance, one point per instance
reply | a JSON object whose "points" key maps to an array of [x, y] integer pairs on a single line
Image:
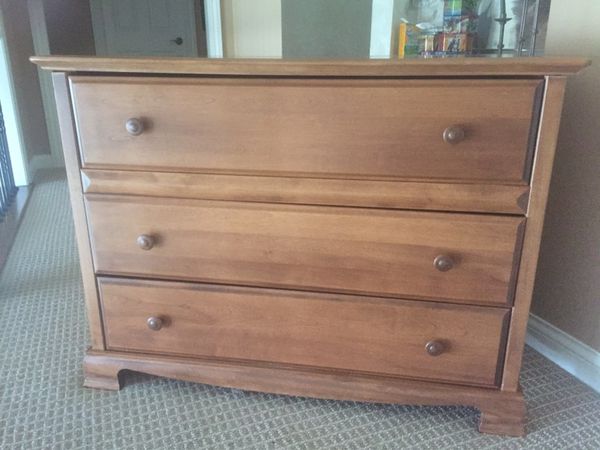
{"points": [[149, 27]]}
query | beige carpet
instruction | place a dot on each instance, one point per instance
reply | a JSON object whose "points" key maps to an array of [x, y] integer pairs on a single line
{"points": [[43, 405]]}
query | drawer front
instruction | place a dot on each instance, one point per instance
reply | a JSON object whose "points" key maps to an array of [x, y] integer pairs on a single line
{"points": [[458, 257], [376, 129], [463, 197], [413, 339]]}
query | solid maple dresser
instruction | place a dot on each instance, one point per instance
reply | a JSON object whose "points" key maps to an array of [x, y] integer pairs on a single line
{"points": [[360, 230]]}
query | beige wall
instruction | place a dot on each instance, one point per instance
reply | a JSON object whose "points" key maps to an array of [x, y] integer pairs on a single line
{"points": [[251, 29], [567, 290], [28, 95]]}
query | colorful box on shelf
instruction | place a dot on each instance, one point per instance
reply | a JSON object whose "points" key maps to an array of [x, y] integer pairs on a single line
{"points": [[457, 43], [460, 7], [409, 39], [460, 24], [419, 40]]}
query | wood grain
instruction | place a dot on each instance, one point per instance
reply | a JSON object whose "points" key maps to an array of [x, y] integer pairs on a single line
{"points": [[220, 184], [542, 172], [489, 198], [69, 143], [442, 67], [502, 412], [364, 334], [301, 247], [372, 129], [508, 419]]}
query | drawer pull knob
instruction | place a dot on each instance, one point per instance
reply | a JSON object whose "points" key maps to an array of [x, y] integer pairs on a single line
{"points": [[454, 135], [443, 263], [154, 323], [145, 242], [134, 126], [435, 348]]}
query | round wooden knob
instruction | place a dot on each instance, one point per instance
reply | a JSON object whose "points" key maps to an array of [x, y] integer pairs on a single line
{"points": [[145, 242], [154, 323], [443, 263], [435, 348], [453, 135], [134, 126]]}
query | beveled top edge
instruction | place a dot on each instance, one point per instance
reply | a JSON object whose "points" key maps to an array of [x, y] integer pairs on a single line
{"points": [[456, 66]]}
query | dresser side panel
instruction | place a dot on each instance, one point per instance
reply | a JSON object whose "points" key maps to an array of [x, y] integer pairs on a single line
{"points": [[540, 183], [71, 155]]}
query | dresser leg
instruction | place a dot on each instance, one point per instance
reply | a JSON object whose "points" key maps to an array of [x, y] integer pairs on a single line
{"points": [[505, 417], [101, 373]]}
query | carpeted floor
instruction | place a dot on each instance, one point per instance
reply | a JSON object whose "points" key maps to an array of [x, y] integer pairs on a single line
{"points": [[44, 406]]}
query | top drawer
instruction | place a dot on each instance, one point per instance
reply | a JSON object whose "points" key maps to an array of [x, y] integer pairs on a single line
{"points": [[360, 128]]}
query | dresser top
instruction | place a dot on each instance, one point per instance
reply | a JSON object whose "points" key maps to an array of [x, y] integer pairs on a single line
{"points": [[459, 67]]}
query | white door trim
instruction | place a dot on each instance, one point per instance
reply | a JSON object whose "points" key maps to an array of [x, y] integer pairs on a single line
{"points": [[214, 29], [381, 28]]}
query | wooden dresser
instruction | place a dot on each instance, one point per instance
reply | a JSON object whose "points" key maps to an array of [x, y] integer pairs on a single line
{"points": [[361, 230]]}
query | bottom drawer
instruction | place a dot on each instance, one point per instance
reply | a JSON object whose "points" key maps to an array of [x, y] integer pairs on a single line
{"points": [[413, 339]]}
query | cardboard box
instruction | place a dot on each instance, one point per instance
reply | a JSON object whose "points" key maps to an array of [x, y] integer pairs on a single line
{"points": [[457, 43]]}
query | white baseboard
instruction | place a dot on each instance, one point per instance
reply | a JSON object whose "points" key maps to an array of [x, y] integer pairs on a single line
{"points": [[577, 358], [39, 162]]}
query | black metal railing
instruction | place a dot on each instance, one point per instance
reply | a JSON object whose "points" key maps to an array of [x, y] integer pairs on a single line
{"points": [[8, 190]]}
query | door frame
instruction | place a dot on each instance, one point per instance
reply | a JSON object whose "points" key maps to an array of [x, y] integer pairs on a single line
{"points": [[382, 22], [41, 45], [214, 29], [98, 27]]}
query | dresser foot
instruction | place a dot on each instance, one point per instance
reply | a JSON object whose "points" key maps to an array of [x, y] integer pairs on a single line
{"points": [[100, 373], [505, 417]]}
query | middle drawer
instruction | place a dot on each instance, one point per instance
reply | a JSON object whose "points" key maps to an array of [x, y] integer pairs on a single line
{"points": [[457, 257]]}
